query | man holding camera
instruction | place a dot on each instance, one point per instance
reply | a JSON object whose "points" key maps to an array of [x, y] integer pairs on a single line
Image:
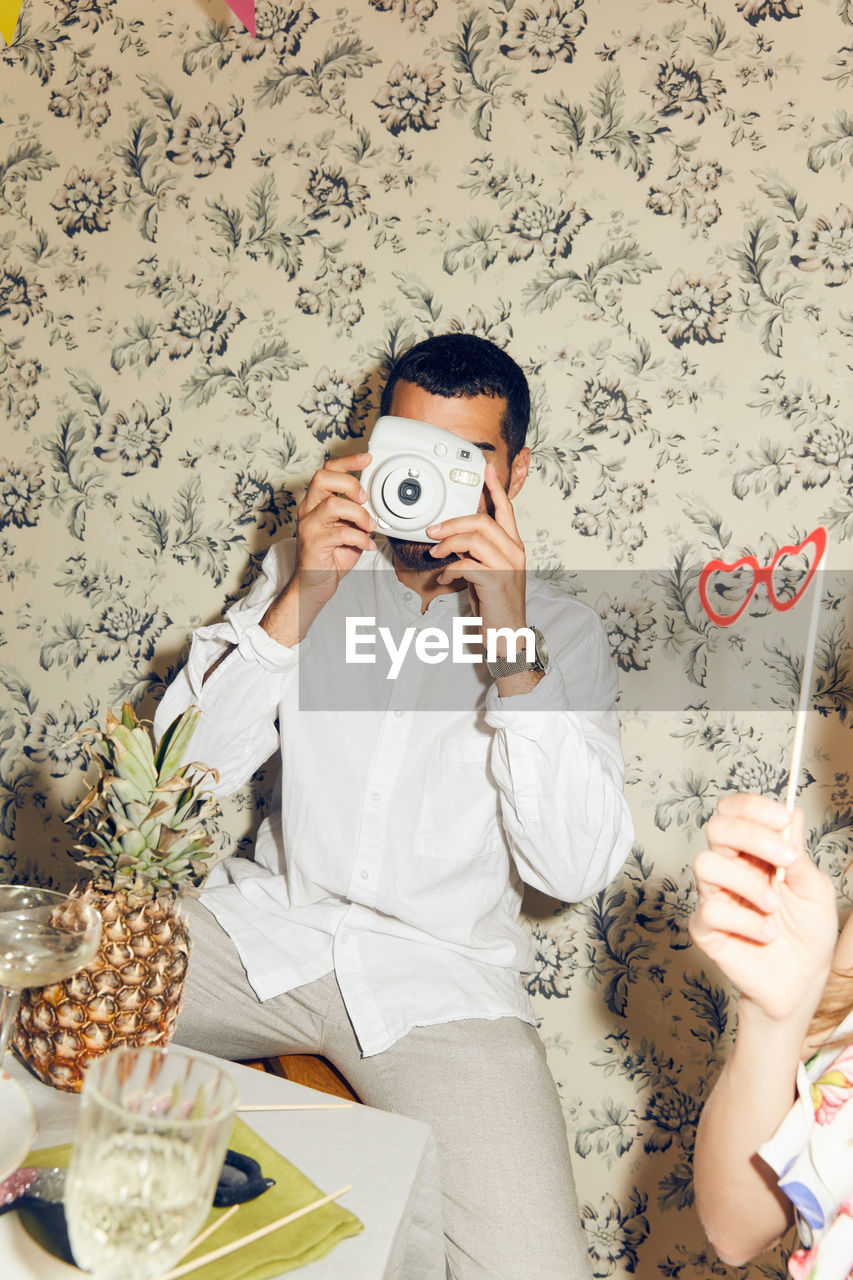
{"points": [[378, 923]]}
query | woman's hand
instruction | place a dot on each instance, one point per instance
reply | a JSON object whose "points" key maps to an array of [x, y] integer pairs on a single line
{"points": [[773, 938]]}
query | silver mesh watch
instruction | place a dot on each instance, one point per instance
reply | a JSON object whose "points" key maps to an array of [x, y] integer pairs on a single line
{"points": [[501, 667]]}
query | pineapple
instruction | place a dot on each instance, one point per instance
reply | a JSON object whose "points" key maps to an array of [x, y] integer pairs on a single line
{"points": [[144, 838]]}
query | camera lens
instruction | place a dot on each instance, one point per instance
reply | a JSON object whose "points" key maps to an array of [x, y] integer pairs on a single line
{"points": [[409, 492]]}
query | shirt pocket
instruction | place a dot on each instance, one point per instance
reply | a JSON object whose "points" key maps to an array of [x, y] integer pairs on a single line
{"points": [[460, 816]]}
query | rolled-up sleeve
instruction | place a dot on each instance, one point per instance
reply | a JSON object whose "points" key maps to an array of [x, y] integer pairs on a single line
{"points": [[237, 730], [557, 761]]}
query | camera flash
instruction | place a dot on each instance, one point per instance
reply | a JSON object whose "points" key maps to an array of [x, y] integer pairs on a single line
{"points": [[461, 476]]}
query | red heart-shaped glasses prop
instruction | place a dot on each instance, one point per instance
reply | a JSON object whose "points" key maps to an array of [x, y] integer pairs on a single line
{"points": [[817, 539]]}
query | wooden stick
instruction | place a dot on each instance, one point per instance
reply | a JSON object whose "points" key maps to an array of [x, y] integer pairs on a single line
{"points": [[208, 1231], [803, 706], [805, 691], [295, 1106], [225, 1249]]}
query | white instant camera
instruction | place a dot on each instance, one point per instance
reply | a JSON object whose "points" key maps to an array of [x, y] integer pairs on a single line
{"points": [[418, 475]]}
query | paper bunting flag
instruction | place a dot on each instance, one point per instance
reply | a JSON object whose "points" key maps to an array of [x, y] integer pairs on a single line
{"points": [[245, 11], [818, 540], [10, 11]]}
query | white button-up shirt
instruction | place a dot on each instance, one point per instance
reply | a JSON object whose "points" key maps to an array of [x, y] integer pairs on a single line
{"points": [[408, 812]]}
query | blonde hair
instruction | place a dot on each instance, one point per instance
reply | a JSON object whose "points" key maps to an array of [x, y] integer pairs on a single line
{"points": [[835, 1005]]}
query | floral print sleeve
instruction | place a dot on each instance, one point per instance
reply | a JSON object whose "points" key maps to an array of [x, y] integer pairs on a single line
{"points": [[812, 1154]]}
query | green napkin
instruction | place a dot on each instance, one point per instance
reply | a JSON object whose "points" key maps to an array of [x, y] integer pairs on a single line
{"points": [[304, 1240]]}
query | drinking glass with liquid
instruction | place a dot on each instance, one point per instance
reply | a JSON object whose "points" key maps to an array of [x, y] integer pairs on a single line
{"points": [[45, 936], [147, 1154]]}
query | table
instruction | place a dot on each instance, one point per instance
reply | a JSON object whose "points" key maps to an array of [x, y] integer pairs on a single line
{"points": [[390, 1160]]}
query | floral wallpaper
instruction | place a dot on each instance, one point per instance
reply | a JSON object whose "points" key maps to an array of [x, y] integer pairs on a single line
{"points": [[212, 249]]}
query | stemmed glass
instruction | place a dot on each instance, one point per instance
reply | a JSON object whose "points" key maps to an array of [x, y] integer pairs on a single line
{"points": [[148, 1150], [45, 936]]}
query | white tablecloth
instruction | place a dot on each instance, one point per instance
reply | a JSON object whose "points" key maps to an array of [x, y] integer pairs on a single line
{"points": [[390, 1160]]}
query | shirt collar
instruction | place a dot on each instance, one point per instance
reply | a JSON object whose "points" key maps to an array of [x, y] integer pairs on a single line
{"points": [[451, 604]]}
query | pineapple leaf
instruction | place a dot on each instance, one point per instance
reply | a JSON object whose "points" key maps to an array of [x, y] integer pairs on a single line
{"points": [[132, 755], [168, 839], [133, 842], [83, 805], [176, 783], [174, 743], [143, 822], [157, 812], [122, 793], [128, 716]]}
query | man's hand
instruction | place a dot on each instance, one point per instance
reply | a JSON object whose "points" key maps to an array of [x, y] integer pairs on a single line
{"points": [[492, 562], [492, 559], [333, 528]]}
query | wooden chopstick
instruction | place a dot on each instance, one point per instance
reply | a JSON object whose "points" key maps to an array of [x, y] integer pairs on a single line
{"points": [[295, 1106], [225, 1249], [208, 1231]]}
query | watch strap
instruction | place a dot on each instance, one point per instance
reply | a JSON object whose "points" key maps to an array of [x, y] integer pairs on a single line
{"points": [[503, 667]]}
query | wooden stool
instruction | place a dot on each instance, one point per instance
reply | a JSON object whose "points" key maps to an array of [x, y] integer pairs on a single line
{"points": [[307, 1069]]}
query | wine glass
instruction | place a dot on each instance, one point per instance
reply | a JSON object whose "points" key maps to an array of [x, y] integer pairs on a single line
{"points": [[45, 936], [151, 1137]]}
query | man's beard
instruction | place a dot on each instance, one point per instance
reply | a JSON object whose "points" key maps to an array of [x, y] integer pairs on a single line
{"points": [[416, 557]]}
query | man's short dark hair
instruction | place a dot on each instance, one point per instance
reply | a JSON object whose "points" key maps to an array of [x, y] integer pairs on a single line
{"points": [[461, 364]]}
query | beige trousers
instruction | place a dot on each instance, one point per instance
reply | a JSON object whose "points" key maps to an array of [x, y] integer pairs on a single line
{"points": [[483, 1086]]}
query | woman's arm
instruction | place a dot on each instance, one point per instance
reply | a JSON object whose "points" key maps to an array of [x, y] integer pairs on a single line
{"points": [[740, 1206], [774, 940]]}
